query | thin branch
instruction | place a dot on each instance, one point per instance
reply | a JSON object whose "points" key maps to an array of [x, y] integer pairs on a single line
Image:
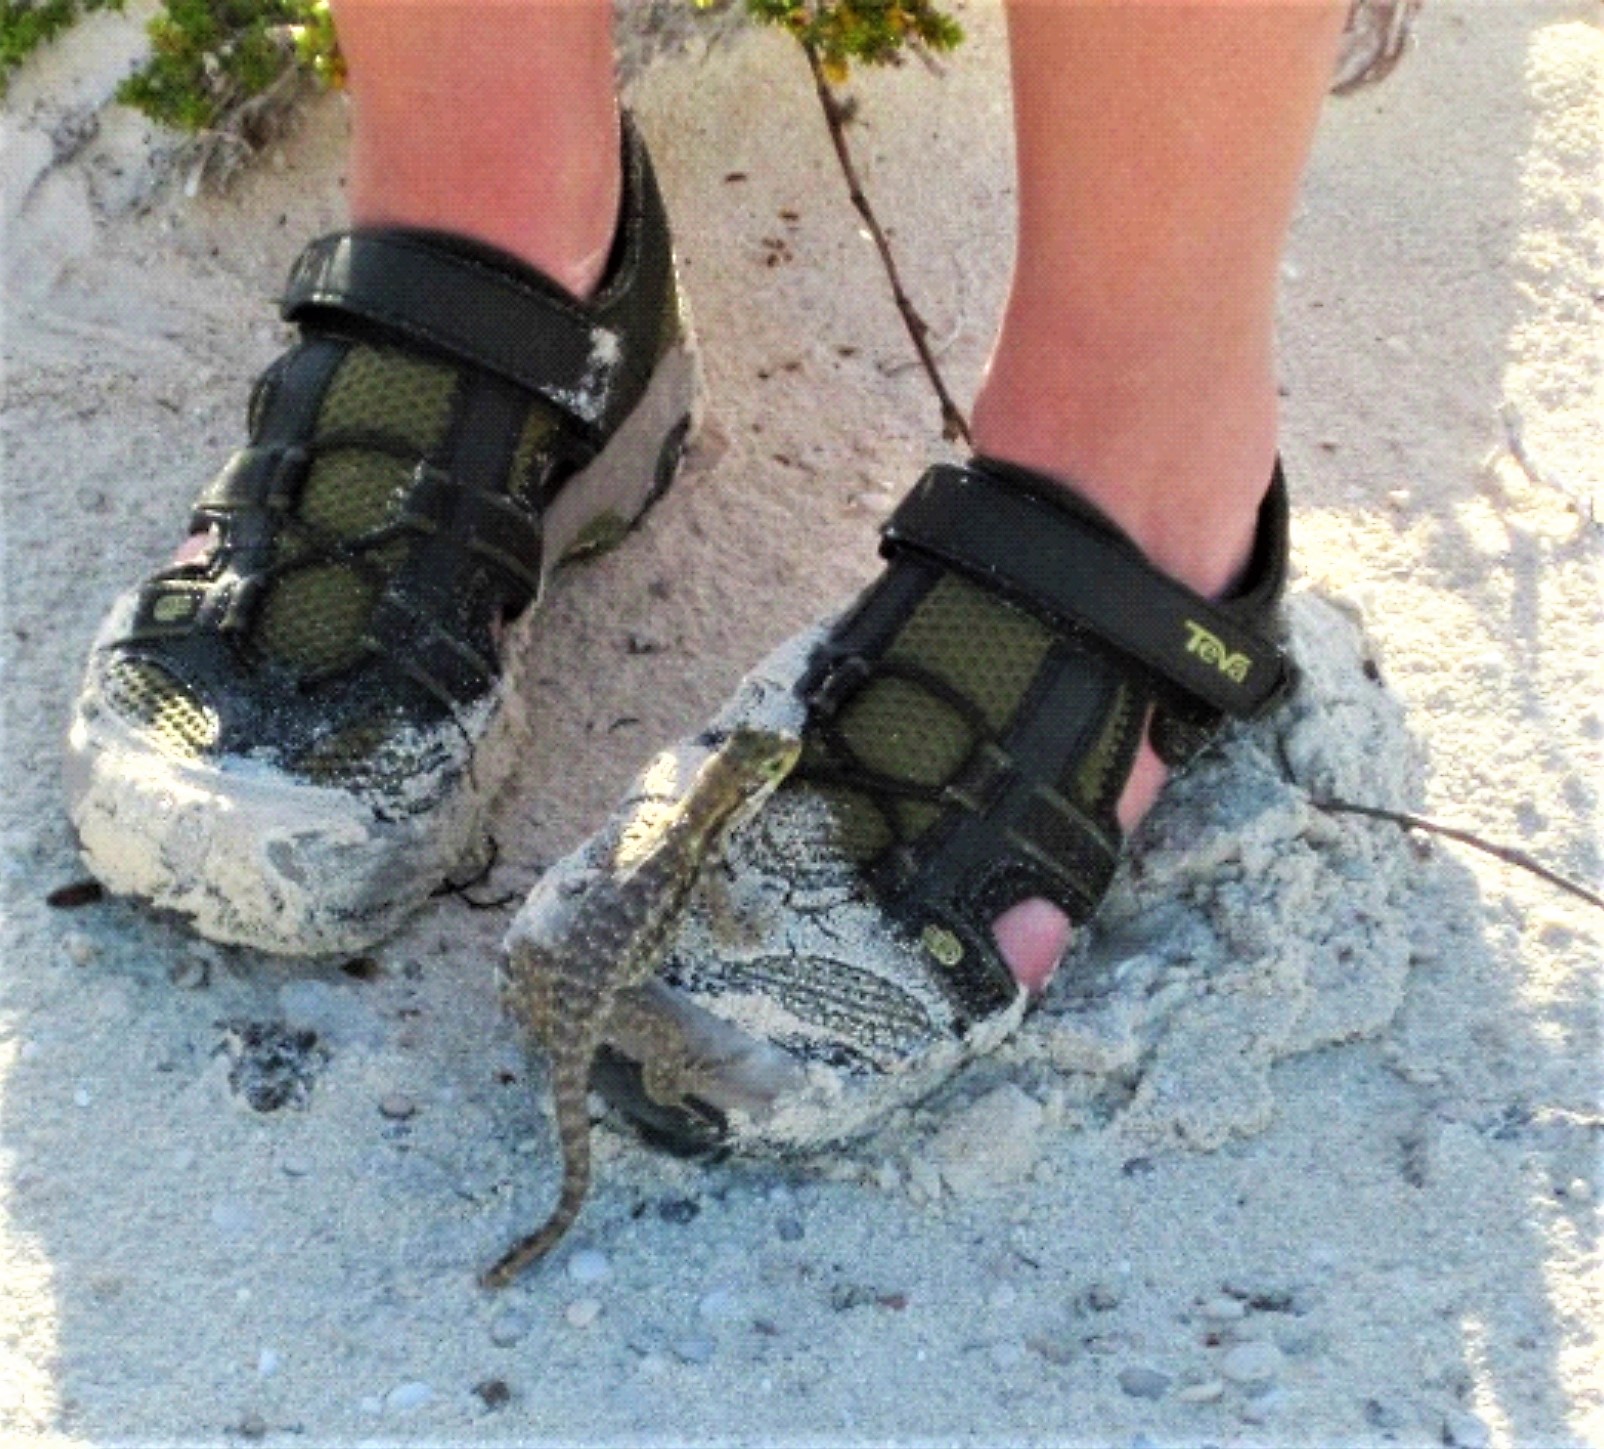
{"points": [[1505, 853], [953, 423]]}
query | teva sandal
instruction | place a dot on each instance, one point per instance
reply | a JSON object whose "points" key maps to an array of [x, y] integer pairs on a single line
{"points": [[969, 725], [292, 738]]}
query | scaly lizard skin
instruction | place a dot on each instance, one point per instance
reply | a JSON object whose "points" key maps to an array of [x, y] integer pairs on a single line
{"points": [[564, 988]]}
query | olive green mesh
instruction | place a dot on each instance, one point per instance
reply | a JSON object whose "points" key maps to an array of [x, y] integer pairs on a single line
{"points": [[1091, 782], [983, 648], [313, 617], [379, 388], [538, 430], [988, 650], [897, 728], [148, 695]]}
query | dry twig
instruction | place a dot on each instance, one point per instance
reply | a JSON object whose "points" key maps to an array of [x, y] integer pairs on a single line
{"points": [[1505, 853]]}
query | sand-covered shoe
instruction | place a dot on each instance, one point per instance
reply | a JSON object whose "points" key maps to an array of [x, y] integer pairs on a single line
{"points": [[969, 724], [290, 735]]}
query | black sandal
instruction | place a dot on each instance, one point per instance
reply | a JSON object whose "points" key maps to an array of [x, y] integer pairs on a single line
{"points": [[970, 724], [292, 739]]}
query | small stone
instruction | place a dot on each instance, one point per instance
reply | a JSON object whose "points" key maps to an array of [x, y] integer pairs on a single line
{"points": [[582, 1312], [404, 1398], [1254, 1362], [589, 1265], [190, 973], [79, 948], [789, 1230], [1207, 1392], [1055, 1349], [695, 1349], [252, 1426], [1225, 1309], [294, 1164], [678, 1210], [1464, 1431], [1381, 1416], [493, 1393], [1101, 1298], [397, 1106], [509, 1327], [81, 1097], [1144, 1383], [267, 1363], [1579, 1189]]}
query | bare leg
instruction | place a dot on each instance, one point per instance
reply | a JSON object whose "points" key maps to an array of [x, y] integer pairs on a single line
{"points": [[1160, 149], [497, 121]]}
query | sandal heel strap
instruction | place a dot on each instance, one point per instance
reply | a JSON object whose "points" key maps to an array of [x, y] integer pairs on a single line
{"points": [[481, 306], [1016, 533]]}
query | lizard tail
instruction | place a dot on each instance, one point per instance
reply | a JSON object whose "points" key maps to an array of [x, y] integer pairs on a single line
{"points": [[573, 1132]]}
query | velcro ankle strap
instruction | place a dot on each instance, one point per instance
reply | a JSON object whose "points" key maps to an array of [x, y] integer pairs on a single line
{"points": [[413, 285], [1021, 537]]}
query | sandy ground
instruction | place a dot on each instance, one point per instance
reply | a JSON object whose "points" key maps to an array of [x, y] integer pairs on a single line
{"points": [[1305, 1146]]}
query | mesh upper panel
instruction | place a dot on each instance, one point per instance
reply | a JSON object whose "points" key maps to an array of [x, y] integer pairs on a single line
{"points": [[372, 755], [147, 695], [897, 728], [988, 650], [313, 618]]}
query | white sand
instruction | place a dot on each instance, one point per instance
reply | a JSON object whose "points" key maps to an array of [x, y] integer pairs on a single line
{"points": [[1316, 1164]]}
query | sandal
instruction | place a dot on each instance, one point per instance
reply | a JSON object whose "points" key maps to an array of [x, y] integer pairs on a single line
{"points": [[969, 725], [292, 738]]}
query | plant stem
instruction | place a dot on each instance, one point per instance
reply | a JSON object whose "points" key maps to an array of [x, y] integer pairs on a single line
{"points": [[1505, 853], [953, 423]]}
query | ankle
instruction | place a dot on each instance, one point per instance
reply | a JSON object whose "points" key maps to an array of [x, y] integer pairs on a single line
{"points": [[1186, 488]]}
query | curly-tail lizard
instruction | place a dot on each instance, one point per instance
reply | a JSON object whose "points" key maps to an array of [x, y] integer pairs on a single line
{"points": [[563, 986]]}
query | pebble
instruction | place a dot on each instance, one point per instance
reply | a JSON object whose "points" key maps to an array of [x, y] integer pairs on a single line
{"points": [[1464, 1431], [1101, 1298], [789, 1230], [190, 973], [267, 1363], [293, 1164], [80, 949], [695, 1349], [1255, 1362], [406, 1397], [1144, 1383], [678, 1210], [589, 1265], [253, 1426], [1207, 1392], [582, 1312], [81, 1097], [493, 1393], [509, 1327], [397, 1106], [1225, 1309]]}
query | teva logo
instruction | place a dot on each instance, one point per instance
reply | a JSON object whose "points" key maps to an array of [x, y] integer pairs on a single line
{"points": [[1211, 650]]}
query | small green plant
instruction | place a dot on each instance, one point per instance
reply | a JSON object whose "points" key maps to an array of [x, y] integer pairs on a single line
{"points": [[25, 25], [873, 32], [210, 58]]}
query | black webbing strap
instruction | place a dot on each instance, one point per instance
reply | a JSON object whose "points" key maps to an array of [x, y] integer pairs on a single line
{"points": [[1041, 552], [452, 301]]}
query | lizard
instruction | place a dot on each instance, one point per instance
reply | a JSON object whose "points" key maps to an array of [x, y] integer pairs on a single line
{"points": [[563, 984]]}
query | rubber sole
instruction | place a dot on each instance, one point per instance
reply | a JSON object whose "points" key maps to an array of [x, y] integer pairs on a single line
{"points": [[255, 856]]}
